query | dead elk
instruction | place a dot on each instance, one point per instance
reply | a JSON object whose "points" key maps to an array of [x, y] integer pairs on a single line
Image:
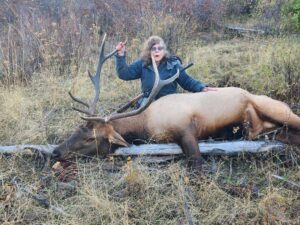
{"points": [[180, 118]]}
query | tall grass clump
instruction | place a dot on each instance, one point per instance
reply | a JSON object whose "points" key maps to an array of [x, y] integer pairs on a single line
{"points": [[28, 112], [263, 66]]}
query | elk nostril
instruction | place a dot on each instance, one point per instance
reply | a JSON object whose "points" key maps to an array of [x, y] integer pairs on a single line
{"points": [[55, 155]]}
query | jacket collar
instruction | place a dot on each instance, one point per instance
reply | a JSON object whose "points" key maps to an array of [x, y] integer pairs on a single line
{"points": [[171, 64]]}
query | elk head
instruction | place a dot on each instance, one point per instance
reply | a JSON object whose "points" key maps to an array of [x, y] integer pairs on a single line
{"points": [[98, 134], [94, 137]]}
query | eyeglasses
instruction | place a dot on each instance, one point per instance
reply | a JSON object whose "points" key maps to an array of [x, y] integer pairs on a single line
{"points": [[153, 49]]}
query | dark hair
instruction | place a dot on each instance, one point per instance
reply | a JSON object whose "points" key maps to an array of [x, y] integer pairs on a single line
{"points": [[148, 44]]}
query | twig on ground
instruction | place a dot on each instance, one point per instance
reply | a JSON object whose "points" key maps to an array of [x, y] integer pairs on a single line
{"points": [[42, 201], [293, 183], [186, 206]]}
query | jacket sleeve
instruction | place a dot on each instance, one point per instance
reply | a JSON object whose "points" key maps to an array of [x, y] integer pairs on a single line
{"points": [[128, 72], [188, 83]]}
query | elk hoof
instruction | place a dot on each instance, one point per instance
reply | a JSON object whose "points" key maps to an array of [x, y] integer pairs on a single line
{"points": [[195, 163]]}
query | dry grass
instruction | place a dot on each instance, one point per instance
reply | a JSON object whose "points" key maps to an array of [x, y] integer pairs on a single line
{"points": [[265, 66], [238, 190], [230, 191]]}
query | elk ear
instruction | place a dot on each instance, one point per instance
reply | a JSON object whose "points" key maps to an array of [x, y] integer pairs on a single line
{"points": [[90, 124], [116, 138]]}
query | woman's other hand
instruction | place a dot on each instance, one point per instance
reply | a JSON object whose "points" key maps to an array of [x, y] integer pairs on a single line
{"points": [[209, 89], [120, 48]]}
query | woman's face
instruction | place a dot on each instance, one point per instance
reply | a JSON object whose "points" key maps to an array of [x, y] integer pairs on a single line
{"points": [[157, 52]]}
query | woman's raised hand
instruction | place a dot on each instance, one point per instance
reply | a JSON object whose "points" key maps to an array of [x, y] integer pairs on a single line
{"points": [[121, 48]]}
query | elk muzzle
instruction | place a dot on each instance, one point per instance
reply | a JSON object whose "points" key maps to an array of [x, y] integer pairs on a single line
{"points": [[60, 151]]}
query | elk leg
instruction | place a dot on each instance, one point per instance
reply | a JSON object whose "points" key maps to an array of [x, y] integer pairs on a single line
{"points": [[190, 148], [289, 137], [256, 124]]}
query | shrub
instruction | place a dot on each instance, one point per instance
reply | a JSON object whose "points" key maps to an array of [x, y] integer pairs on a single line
{"points": [[291, 14]]}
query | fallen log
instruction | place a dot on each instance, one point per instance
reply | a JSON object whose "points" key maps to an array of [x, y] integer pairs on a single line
{"points": [[206, 148], [46, 149], [242, 30]]}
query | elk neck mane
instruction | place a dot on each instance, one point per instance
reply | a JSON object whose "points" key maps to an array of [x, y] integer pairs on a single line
{"points": [[132, 128]]}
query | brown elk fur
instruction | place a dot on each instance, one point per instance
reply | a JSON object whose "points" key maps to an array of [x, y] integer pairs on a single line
{"points": [[186, 118]]}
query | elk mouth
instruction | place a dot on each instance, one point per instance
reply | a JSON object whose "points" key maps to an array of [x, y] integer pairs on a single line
{"points": [[61, 152], [56, 154]]}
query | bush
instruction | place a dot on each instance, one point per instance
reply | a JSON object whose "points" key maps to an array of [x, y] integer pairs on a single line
{"points": [[240, 7], [291, 14], [63, 34]]}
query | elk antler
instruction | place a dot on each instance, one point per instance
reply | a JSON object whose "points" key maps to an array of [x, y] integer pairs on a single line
{"points": [[158, 84], [133, 101], [95, 80]]}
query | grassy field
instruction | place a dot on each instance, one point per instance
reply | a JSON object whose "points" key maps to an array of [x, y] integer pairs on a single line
{"points": [[230, 190]]}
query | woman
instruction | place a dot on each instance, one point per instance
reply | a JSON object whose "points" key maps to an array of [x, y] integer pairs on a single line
{"points": [[167, 67]]}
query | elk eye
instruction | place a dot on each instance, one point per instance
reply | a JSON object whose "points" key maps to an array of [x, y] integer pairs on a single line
{"points": [[90, 139]]}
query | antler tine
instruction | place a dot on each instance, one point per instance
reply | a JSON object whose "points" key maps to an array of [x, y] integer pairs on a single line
{"points": [[128, 104], [77, 99], [95, 81], [81, 102], [113, 52], [96, 78], [136, 98], [158, 84], [82, 111]]}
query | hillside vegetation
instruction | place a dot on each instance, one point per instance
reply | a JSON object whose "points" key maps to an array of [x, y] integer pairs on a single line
{"points": [[47, 48]]}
